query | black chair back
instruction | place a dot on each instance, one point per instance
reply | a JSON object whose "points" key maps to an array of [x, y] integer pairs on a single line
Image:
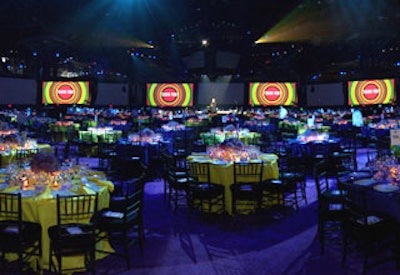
{"points": [[321, 177], [199, 171], [76, 208], [247, 172]]}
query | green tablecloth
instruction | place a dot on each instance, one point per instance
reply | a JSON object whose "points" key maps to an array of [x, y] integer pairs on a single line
{"points": [[108, 137], [219, 137], [59, 133]]}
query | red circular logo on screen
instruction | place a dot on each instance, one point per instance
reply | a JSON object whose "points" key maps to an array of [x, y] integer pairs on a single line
{"points": [[272, 93], [169, 94], [371, 91], [65, 92]]}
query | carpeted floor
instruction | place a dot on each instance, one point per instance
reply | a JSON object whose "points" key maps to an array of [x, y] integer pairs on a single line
{"points": [[269, 243]]}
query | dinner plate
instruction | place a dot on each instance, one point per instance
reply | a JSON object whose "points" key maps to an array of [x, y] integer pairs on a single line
{"points": [[62, 193], [199, 154], [26, 193], [93, 187], [219, 162], [386, 188], [268, 157], [201, 160], [365, 182], [359, 175]]}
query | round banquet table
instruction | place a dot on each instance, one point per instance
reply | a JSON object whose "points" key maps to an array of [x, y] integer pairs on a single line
{"points": [[382, 197], [222, 173], [41, 208]]}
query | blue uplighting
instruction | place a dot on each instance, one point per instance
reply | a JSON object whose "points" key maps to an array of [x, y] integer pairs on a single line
{"points": [[316, 76]]}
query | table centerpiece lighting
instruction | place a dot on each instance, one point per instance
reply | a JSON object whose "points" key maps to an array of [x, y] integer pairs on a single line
{"points": [[233, 150], [146, 135], [311, 136], [387, 170], [44, 170]]}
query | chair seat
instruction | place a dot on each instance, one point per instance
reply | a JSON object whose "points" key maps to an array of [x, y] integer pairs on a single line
{"points": [[179, 173], [273, 183], [115, 225], [245, 191], [17, 236], [206, 188], [246, 187], [278, 184], [72, 239], [11, 239], [370, 220], [110, 220], [292, 175], [332, 194]]}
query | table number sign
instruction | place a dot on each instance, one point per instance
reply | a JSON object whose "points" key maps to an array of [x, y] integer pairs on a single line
{"points": [[395, 137]]}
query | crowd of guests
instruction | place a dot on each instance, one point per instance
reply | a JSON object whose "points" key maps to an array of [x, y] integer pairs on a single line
{"points": [[358, 117]]}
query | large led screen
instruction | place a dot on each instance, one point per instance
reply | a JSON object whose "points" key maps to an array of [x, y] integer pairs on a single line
{"points": [[272, 94], [169, 94], [66, 92], [370, 92]]}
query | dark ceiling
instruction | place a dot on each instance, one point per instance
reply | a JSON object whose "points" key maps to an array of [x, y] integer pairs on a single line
{"points": [[160, 40]]}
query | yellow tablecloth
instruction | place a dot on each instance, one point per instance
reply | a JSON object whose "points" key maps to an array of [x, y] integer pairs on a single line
{"points": [[222, 173], [42, 209]]}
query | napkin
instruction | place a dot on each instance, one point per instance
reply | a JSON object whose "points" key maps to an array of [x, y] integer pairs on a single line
{"points": [[268, 157], [46, 194], [12, 189], [102, 182], [97, 173], [86, 190]]}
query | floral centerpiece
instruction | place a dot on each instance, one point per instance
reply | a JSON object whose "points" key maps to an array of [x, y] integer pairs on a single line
{"points": [[63, 123], [8, 132], [233, 150], [44, 170], [100, 130], [146, 135], [387, 169], [118, 122], [44, 162], [173, 126], [17, 141], [310, 136]]}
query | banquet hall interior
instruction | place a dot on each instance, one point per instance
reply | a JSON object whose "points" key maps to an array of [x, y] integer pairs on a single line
{"points": [[199, 137]]}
